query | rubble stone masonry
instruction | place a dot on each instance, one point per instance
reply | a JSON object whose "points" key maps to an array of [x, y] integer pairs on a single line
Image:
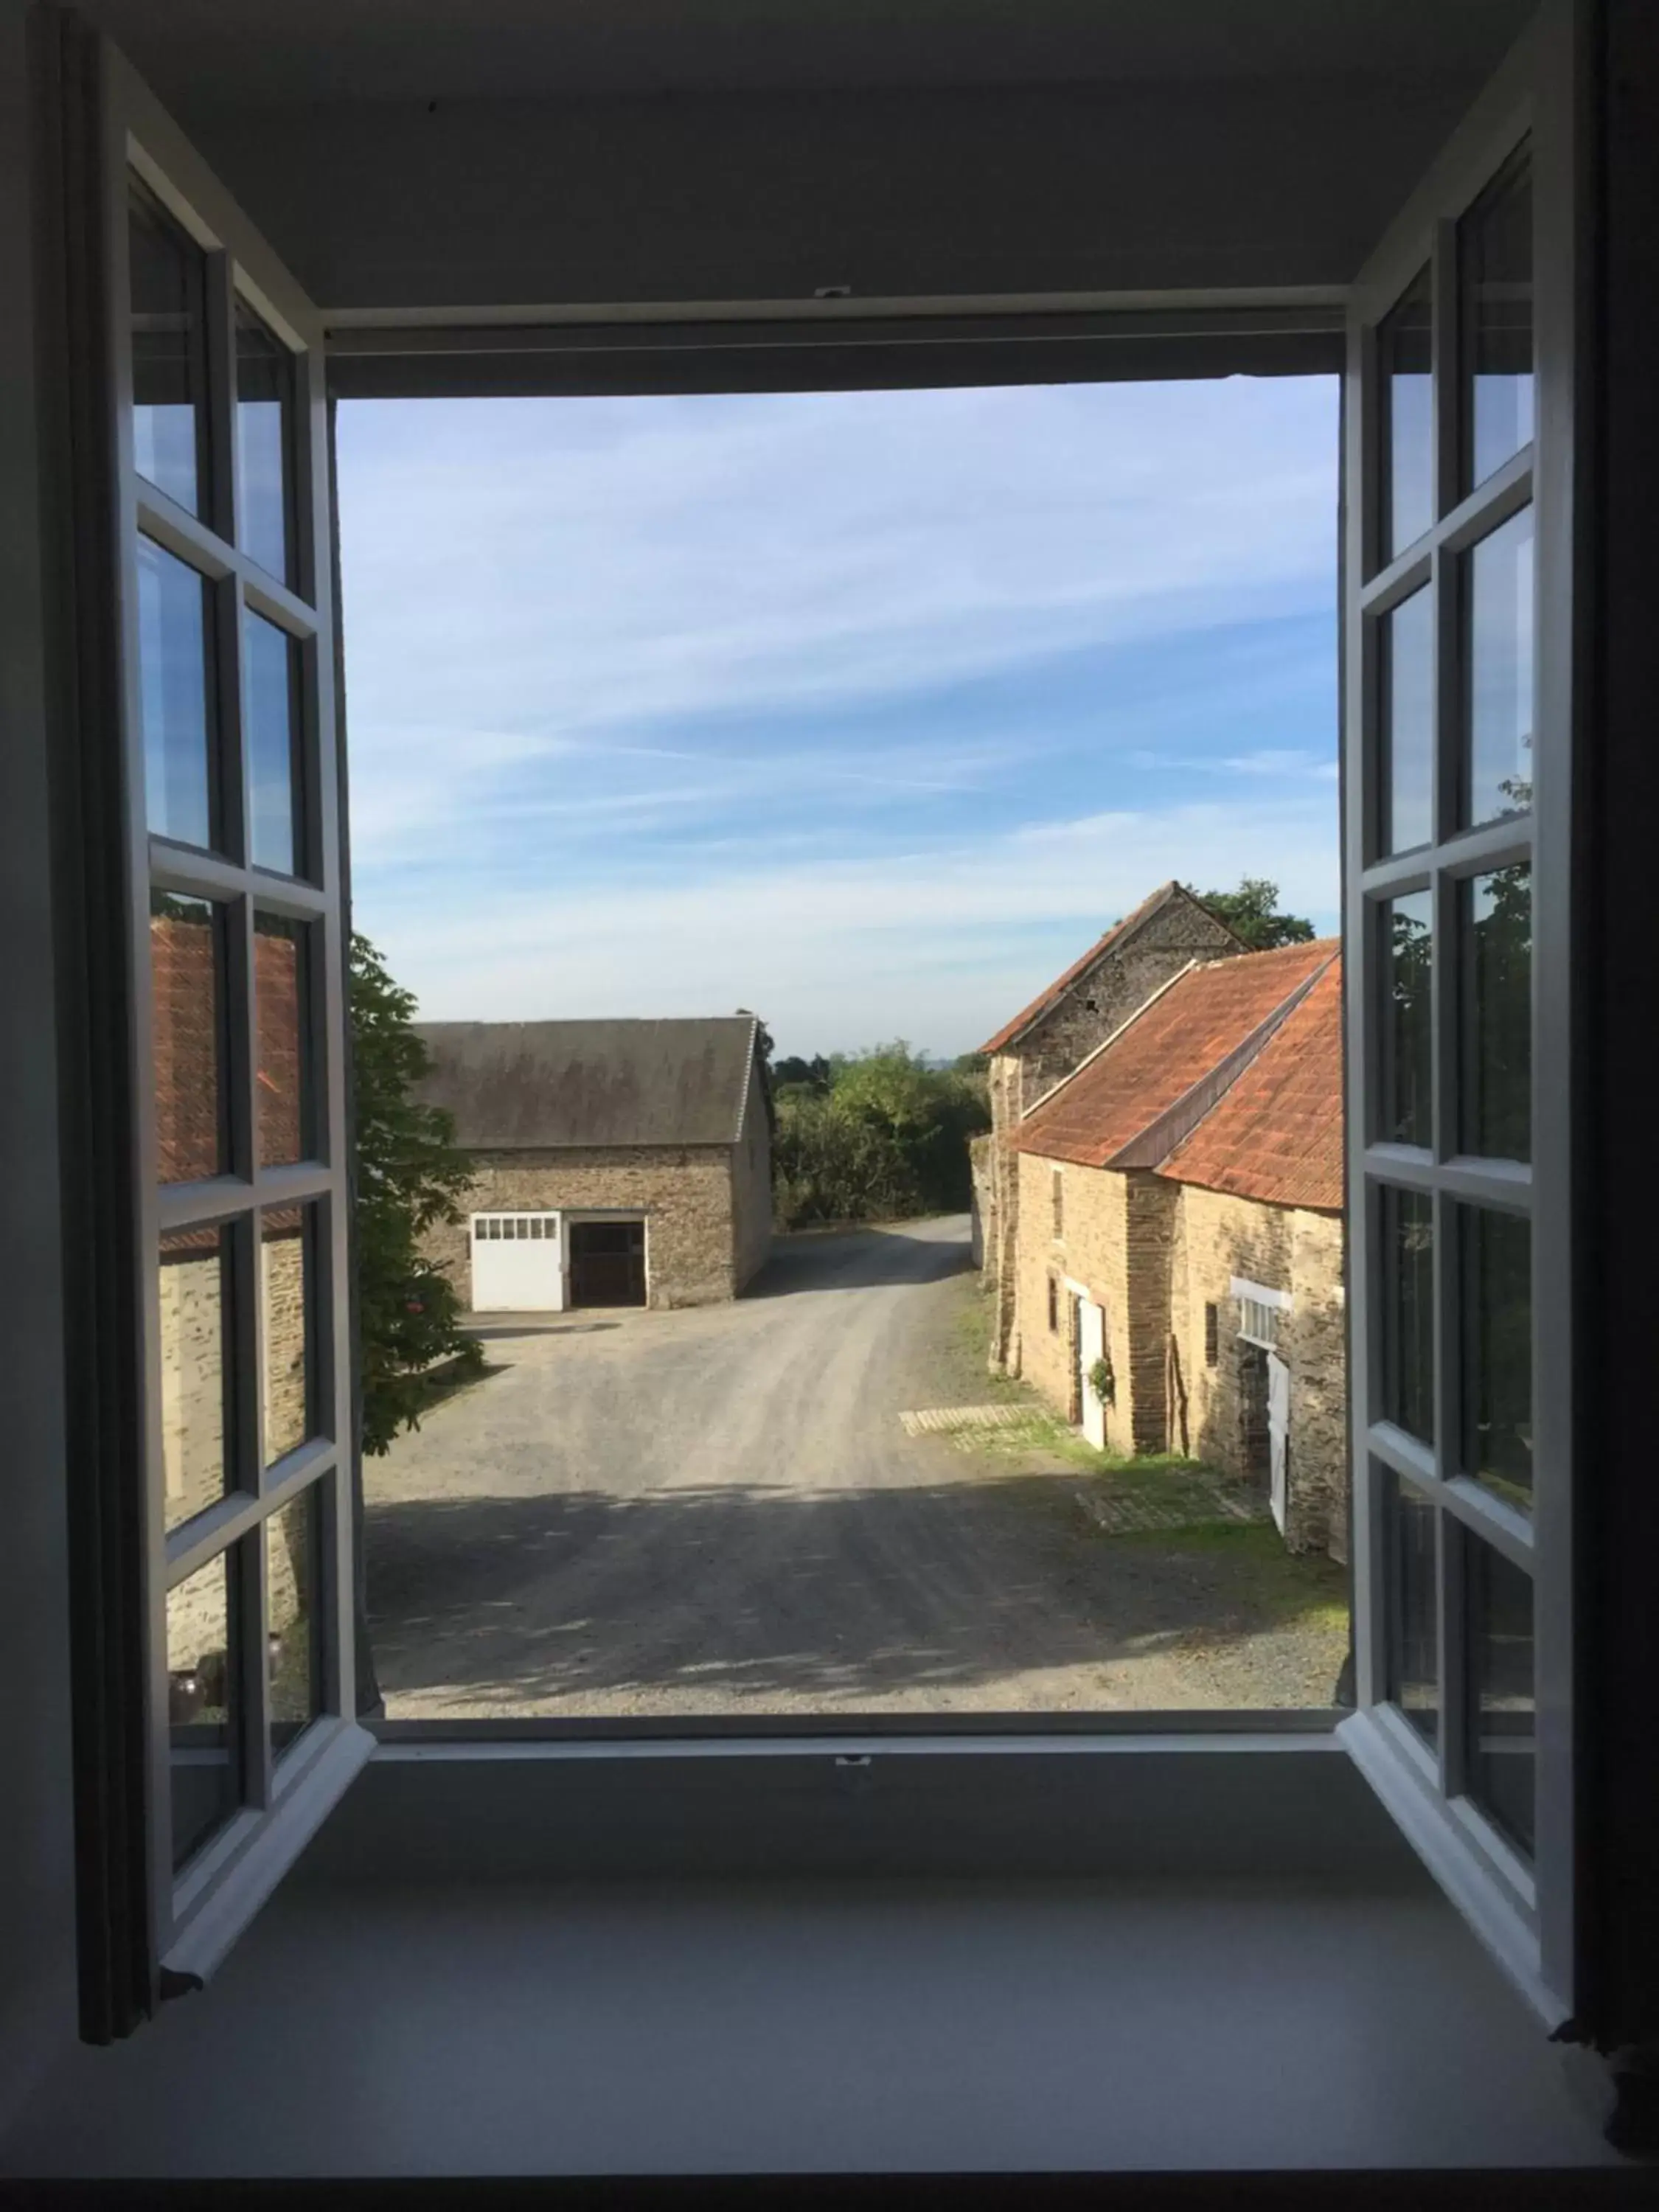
{"points": [[1094, 1005], [1219, 1237], [1115, 1241], [685, 1193]]}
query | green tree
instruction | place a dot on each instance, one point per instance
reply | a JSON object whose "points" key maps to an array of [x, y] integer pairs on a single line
{"points": [[878, 1136], [409, 1178], [1252, 912]]}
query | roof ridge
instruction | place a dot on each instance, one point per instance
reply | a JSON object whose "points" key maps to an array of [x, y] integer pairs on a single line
{"points": [[1167, 1133], [748, 1077], [1267, 1107]]}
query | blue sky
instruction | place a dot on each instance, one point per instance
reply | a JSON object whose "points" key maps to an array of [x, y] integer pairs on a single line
{"points": [[867, 711]]}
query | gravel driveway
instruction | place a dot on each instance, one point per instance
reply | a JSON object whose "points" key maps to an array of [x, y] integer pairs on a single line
{"points": [[717, 1510]]}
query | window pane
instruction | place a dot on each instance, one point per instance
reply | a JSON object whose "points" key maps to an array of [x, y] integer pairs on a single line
{"points": [[197, 1368], [1414, 1606], [204, 1706], [1405, 1071], [1495, 256], [287, 1242], [1408, 475], [294, 1616], [1500, 1677], [1407, 1246], [175, 691], [265, 438], [1496, 927], [1406, 722], [169, 359], [1500, 646], [281, 992], [1496, 1300], [187, 988], [270, 672]]}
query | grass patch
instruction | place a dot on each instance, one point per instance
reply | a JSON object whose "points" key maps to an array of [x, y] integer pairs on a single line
{"points": [[1280, 1585]]}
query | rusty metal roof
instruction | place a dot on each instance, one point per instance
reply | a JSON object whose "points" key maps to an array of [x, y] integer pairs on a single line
{"points": [[536, 1085], [1134, 1101], [1276, 1134]]}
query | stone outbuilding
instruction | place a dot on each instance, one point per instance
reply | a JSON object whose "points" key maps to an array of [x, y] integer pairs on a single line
{"points": [[1178, 1283], [616, 1163], [1048, 1040]]}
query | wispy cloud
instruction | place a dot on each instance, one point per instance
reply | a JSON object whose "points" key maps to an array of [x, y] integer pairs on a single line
{"points": [[855, 708]]}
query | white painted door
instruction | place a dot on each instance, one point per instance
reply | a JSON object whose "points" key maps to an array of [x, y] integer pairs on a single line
{"points": [[1279, 1434], [518, 1263], [1092, 1347]]}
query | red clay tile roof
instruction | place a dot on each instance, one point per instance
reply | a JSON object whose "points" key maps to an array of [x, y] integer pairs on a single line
{"points": [[1061, 984], [1178, 1042], [1277, 1134]]}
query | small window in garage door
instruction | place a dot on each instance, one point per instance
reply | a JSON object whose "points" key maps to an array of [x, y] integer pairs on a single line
{"points": [[518, 1263]]}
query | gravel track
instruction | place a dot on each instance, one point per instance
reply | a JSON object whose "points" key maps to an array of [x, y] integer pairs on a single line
{"points": [[717, 1510]]}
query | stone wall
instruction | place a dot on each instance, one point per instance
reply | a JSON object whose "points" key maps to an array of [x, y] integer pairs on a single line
{"points": [[1103, 997], [1114, 1240], [1093, 1006], [1285, 1248], [980, 1206], [684, 1193], [751, 1183]]}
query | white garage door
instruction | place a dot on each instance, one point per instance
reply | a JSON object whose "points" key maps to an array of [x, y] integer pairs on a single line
{"points": [[518, 1263]]}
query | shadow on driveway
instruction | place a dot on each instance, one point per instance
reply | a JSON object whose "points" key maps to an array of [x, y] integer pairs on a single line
{"points": [[752, 1591], [857, 1259]]}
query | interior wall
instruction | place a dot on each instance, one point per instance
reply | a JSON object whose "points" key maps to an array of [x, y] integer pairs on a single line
{"points": [[37, 1991], [397, 206]]}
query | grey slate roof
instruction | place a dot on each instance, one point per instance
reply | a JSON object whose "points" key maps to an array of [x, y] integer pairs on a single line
{"points": [[548, 1084]]}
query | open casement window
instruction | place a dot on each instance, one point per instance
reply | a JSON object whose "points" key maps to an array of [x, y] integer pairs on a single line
{"points": [[1459, 592], [226, 1698]]}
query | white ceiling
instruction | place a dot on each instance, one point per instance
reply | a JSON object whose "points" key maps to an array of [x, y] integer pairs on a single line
{"points": [[225, 53]]}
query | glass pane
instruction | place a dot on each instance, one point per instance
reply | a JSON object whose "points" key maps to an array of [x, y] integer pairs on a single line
{"points": [[1496, 1300], [265, 432], [1407, 1246], [1406, 1073], [197, 1367], [169, 357], [203, 1707], [286, 1242], [294, 1616], [1496, 926], [1495, 258], [1500, 1677], [187, 988], [1414, 1606], [1500, 646], [175, 692], [270, 672], [282, 994], [1407, 721], [1405, 360]]}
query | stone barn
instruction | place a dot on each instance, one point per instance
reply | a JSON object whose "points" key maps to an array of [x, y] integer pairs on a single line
{"points": [[617, 1163], [1046, 1040], [1180, 1248]]}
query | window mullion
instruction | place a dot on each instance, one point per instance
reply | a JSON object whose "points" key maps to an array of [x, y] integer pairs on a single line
{"points": [[1445, 353], [221, 514]]}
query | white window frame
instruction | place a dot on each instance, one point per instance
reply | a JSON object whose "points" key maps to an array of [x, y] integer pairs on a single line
{"points": [[1214, 1735], [1525, 1913], [189, 1916], [1275, 1305]]}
